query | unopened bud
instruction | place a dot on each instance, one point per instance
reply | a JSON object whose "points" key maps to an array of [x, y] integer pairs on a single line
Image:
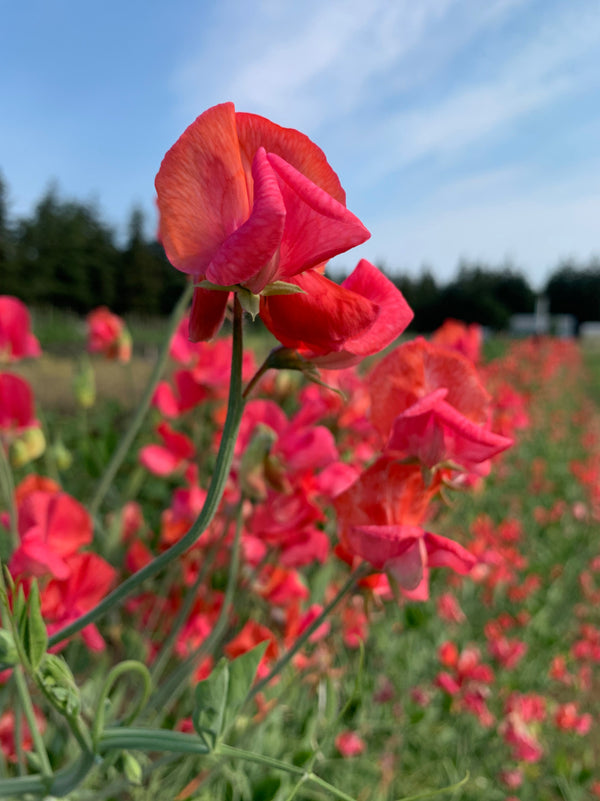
{"points": [[84, 385], [29, 446]]}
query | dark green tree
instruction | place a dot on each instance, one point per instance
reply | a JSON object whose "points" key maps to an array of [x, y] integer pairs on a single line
{"points": [[147, 283], [575, 289], [66, 256]]}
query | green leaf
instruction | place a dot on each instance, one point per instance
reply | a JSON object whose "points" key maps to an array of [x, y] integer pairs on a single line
{"points": [[282, 288], [220, 696], [20, 609], [8, 650], [241, 677], [34, 636], [211, 698], [132, 769]]}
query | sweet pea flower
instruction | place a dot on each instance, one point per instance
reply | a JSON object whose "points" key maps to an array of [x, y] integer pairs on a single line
{"points": [[16, 339], [16, 406], [380, 519], [458, 336], [429, 403], [53, 526], [108, 334], [349, 744], [248, 206]]}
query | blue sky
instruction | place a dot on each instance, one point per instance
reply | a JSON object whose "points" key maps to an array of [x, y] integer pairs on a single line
{"points": [[459, 128]]}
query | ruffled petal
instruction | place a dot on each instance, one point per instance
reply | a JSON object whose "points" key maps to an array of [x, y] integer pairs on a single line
{"points": [[395, 313], [202, 190], [317, 227], [296, 148], [394, 316], [249, 251], [442, 552], [379, 544], [321, 318]]}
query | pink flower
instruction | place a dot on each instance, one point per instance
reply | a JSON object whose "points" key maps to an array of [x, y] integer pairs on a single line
{"points": [[16, 406], [458, 336], [380, 519], [108, 334], [435, 432], [16, 339], [349, 744], [162, 460], [52, 528], [250, 207], [88, 581], [246, 203]]}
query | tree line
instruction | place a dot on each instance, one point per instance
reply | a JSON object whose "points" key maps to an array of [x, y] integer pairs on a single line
{"points": [[63, 255]]}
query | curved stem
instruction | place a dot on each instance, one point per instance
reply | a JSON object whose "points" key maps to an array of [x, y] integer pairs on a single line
{"points": [[235, 408], [140, 413], [129, 665]]}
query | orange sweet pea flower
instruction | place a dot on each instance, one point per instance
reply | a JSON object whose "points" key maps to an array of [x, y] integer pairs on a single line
{"points": [[248, 206]]}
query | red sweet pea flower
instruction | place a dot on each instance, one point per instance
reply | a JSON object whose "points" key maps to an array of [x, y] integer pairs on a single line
{"points": [[16, 339], [89, 580], [52, 528], [162, 460], [463, 338], [435, 407], [16, 406], [434, 431], [247, 205], [414, 370], [349, 744], [108, 334], [380, 520], [337, 326]]}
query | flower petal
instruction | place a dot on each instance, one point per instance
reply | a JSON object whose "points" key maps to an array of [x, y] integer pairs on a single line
{"points": [[202, 190], [394, 316], [207, 314], [319, 320], [333, 229], [379, 544], [296, 148], [246, 254]]}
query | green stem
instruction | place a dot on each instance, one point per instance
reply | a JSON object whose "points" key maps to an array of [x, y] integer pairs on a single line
{"points": [[432, 793], [18, 673], [235, 409], [178, 676], [59, 785], [285, 767], [140, 739], [183, 614], [138, 418], [8, 487], [362, 570], [38, 742]]}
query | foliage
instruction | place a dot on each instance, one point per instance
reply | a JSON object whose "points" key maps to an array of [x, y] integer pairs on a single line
{"points": [[575, 289]]}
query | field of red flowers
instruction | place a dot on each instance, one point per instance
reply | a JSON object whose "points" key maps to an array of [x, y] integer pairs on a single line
{"points": [[426, 599]]}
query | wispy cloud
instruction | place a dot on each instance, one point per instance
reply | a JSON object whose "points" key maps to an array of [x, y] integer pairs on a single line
{"points": [[328, 59], [542, 70]]}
